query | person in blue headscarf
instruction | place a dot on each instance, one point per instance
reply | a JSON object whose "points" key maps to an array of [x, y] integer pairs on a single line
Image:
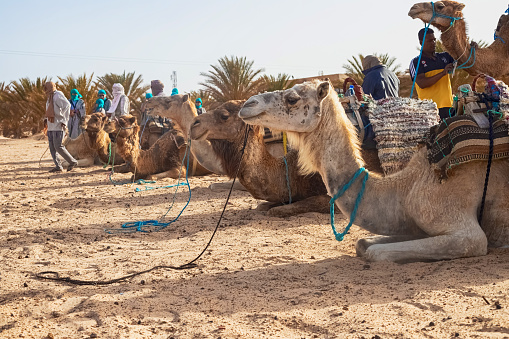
{"points": [[99, 106], [76, 115], [174, 91], [107, 102], [199, 106]]}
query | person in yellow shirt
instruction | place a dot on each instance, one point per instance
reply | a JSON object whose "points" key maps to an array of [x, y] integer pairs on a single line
{"points": [[432, 78]]}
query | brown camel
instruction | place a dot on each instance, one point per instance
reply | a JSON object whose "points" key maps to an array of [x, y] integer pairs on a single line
{"points": [[161, 160], [91, 147], [100, 140], [491, 60], [419, 216], [262, 174], [182, 111]]}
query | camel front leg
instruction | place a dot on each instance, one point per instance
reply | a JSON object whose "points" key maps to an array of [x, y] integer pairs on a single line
{"points": [[173, 173], [318, 204], [468, 241], [363, 244]]}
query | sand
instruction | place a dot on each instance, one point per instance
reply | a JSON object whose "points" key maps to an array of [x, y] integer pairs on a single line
{"points": [[261, 277]]}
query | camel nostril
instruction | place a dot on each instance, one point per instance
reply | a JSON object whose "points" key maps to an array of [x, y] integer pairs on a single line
{"points": [[250, 103]]}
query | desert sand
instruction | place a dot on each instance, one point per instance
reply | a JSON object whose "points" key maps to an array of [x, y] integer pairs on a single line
{"points": [[261, 277]]}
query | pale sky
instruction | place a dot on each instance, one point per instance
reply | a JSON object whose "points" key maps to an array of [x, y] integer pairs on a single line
{"points": [[154, 38]]}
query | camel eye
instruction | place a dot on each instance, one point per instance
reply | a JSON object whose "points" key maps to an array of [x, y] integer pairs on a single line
{"points": [[293, 100], [439, 5], [224, 117]]}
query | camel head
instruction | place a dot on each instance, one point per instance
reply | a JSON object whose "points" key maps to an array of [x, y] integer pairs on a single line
{"points": [[222, 123], [96, 122], [424, 11], [123, 127], [297, 109], [169, 106]]}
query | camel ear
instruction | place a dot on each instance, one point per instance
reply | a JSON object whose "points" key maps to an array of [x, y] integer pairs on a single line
{"points": [[323, 90], [185, 97]]}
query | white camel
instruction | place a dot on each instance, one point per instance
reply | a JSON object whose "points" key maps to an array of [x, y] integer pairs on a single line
{"points": [[418, 216]]}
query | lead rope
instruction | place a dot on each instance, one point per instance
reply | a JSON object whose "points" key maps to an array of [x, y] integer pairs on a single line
{"points": [[55, 276]]}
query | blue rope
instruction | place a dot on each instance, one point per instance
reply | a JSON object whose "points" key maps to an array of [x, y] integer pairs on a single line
{"points": [[462, 66], [495, 37], [340, 236], [157, 225]]}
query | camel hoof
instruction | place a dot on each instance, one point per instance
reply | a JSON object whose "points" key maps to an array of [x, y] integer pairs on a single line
{"points": [[265, 206], [361, 247]]}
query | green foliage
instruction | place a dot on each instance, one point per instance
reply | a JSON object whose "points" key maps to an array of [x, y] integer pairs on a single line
{"points": [[22, 107], [354, 69], [133, 87], [205, 97], [270, 83], [84, 85], [232, 79]]}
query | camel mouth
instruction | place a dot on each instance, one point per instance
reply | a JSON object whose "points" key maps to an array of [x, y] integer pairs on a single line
{"points": [[248, 118], [202, 136]]}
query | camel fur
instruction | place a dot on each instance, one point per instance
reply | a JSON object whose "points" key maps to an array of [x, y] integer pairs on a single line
{"points": [[182, 111], [163, 159], [418, 216], [92, 146], [491, 60], [100, 141], [262, 174]]}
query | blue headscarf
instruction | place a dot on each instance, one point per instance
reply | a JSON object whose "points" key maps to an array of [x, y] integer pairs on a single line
{"points": [[101, 91], [75, 95], [198, 106], [148, 95], [100, 103], [174, 91]]}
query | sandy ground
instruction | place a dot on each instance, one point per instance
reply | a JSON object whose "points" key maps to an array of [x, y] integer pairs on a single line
{"points": [[261, 277]]}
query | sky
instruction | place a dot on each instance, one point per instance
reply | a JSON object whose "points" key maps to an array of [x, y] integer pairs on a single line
{"points": [[154, 38]]}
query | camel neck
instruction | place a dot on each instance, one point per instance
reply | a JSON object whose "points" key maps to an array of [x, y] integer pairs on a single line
{"points": [[128, 148], [334, 148], [456, 42], [185, 118]]}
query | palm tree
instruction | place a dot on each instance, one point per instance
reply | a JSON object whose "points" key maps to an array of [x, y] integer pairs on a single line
{"points": [[204, 96], [133, 87], [84, 85], [24, 106], [354, 67], [270, 83], [232, 79]]}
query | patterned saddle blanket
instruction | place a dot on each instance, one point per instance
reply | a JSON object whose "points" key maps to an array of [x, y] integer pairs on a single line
{"points": [[459, 140]]}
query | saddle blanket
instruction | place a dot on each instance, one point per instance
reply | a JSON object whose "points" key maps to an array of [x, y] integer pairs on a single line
{"points": [[459, 140]]}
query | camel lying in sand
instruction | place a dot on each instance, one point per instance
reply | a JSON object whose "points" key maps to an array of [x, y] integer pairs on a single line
{"points": [[262, 174], [418, 216], [92, 146], [163, 159], [491, 60], [182, 112]]}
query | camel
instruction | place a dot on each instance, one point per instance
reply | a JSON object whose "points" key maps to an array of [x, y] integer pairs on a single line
{"points": [[182, 111], [91, 147], [100, 141], [163, 159], [491, 60], [262, 174], [418, 216]]}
